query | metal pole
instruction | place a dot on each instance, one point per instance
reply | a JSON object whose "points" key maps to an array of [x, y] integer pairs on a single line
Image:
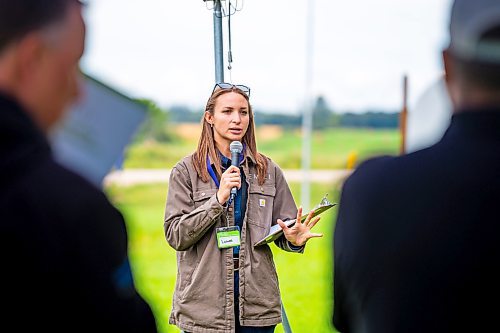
{"points": [[403, 116], [218, 47], [286, 324], [307, 116]]}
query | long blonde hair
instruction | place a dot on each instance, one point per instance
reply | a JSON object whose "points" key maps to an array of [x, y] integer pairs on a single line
{"points": [[207, 147]]}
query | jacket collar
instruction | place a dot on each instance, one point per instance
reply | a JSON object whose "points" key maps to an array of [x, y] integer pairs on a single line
{"points": [[16, 125], [226, 162], [249, 156], [22, 143], [475, 123]]}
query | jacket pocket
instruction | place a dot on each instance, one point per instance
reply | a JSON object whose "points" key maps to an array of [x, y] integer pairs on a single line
{"points": [[201, 196], [187, 264], [262, 293], [261, 205]]}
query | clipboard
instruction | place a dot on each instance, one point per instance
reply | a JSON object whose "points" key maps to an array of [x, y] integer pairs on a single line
{"points": [[276, 230]]}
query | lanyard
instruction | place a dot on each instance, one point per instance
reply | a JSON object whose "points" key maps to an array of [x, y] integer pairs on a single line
{"points": [[212, 173], [214, 177], [211, 170]]}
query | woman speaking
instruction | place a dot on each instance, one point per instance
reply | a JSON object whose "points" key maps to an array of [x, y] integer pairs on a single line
{"points": [[224, 282]]}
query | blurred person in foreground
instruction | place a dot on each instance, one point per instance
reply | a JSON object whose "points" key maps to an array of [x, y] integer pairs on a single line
{"points": [[235, 288], [63, 246], [417, 240]]}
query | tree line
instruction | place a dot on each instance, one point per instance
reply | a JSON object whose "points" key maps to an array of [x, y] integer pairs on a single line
{"points": [[323, 117]]}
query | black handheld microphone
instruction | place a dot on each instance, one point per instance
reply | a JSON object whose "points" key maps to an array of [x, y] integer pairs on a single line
{"points": [[236, 148]]}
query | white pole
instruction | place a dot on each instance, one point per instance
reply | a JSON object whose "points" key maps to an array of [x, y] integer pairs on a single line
{"points": [[218, 44], [307, 116]]}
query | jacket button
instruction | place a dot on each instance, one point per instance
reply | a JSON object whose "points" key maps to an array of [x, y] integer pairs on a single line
{"points": [[203, 193]]}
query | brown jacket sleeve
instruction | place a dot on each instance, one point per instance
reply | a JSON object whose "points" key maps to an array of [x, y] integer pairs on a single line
{"points": [[284, 207], [184, 223]]}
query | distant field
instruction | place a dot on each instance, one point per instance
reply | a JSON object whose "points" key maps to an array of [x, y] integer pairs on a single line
{"points": [[305, 279], [331, 149]]}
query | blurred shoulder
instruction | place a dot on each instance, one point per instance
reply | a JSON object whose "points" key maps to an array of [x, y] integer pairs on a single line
{"points": [[373, 171], [62, 182], [56, 193]]}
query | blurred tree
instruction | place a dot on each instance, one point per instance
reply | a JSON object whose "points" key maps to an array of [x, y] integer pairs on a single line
{"points": [[155, 126], [183, 114], [323, 116], [370, 119]]}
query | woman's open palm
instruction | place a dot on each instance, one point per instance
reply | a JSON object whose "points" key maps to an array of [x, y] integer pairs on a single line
{"points": [[300, 232]]}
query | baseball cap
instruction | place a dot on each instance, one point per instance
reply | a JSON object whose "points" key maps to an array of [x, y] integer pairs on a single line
{"points": [[469, 21]]}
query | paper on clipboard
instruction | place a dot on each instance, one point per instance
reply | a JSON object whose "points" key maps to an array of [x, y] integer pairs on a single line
{"points": [[276, 230]]}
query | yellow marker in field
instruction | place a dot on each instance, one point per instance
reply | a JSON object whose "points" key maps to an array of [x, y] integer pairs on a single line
{"points": [[351, 160]]}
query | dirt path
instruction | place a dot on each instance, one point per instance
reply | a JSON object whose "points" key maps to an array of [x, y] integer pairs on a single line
{"points": [[129, 177]]}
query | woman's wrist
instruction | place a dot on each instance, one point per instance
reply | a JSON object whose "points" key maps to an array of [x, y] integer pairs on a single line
{"points": [[218, 200], [295, 247]]}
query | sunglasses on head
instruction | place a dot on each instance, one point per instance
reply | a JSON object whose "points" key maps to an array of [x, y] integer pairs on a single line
{"points": [[224, 85]]}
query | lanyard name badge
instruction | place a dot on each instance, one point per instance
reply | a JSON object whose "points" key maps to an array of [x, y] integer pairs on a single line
{"points": [[228, 236]]}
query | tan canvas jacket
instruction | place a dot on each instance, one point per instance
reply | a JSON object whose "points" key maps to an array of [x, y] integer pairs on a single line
{"points": [[203, 296]]}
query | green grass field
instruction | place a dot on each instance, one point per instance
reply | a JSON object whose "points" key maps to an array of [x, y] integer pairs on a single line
{"points": [[305, 279], [329, 149]]}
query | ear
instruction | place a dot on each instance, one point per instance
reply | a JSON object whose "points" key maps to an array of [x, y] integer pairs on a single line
{"points": [[450, 77], [448, 66], [209, 118], [21, 72], [30, 53]]}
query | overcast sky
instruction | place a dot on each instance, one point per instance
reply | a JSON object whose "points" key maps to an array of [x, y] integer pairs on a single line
{"points": [[163, 50]]}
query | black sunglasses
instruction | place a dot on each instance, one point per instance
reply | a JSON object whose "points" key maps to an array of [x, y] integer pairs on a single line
{"points": [[224, 85]]}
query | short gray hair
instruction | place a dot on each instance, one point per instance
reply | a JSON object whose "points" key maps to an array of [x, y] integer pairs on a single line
{"points": [[20, 17]]}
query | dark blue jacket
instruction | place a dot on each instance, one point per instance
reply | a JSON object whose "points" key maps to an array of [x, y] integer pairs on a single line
{"points": [[417, 240], [63, 246]]}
